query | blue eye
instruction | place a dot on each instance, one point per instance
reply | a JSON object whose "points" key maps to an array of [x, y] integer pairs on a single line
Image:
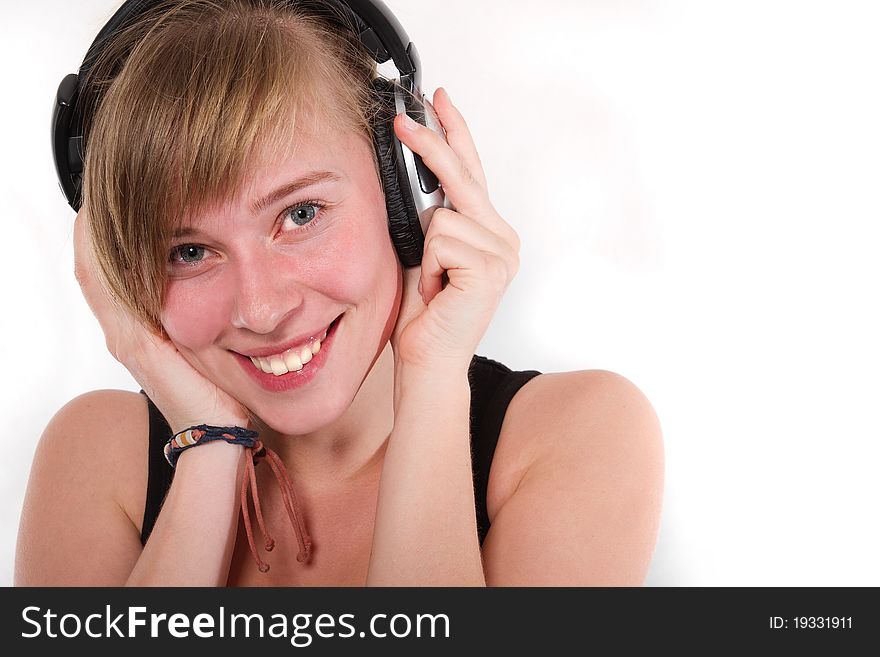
{"points": [[188, 253], [301, 214]]}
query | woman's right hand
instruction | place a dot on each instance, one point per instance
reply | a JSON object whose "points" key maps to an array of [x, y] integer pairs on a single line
{"points": [[183, 395]]}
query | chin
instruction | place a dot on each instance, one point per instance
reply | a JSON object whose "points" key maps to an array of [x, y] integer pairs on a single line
{"points": [[296, 419]]}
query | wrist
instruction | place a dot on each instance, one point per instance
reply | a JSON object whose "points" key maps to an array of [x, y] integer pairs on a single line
{"points": [[215, 455], [430, 385], [432, 368]]}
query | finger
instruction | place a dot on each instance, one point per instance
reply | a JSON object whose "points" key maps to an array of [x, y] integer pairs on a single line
{"points": [[80, 246], [84, 269], [459, 184], [491, 222], [459, 135], [449, 222], [83, 265], [469, 269], [122, 333]]}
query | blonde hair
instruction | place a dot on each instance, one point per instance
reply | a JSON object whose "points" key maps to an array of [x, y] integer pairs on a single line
{"points": [[179, 104]]}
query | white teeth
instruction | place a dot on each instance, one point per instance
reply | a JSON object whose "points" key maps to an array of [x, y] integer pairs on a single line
{"points": [[292, 360], [261, 364], [277, 365]]}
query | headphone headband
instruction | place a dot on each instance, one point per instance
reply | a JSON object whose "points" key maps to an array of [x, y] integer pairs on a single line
{"points": [[378, 30]]}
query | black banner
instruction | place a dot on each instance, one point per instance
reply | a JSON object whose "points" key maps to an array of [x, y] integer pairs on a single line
{"points": [[430, 621]]}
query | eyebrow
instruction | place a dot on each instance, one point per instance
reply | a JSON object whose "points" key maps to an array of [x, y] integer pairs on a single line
{"points": [[311, 178], [258, 206]]}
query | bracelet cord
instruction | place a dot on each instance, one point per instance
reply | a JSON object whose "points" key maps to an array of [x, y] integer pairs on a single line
{"points": [[294, 512], [254, 451]]}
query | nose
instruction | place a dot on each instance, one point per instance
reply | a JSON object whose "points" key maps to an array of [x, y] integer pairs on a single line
{"points": [[265, 296]]}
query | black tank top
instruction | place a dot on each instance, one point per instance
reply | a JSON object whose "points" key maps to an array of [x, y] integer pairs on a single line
{"points": [[492, 384]]}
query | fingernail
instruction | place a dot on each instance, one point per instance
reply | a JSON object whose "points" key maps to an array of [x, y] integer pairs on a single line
{"points": [[409, 124], [420, 286]]}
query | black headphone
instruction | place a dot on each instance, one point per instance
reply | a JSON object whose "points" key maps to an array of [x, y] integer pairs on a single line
{"points": [[412, 191]]}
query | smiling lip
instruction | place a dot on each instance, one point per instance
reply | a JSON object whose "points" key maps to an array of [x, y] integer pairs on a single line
{"points": [[274, 350], [296, 378]]}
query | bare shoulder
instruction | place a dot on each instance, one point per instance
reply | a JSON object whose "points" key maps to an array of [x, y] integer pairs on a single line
{"points": [[559, 411], [581, 466], [570, 408], [85, 496], [102, 436]]}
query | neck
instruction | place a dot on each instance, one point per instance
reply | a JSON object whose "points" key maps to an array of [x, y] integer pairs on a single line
{"points": [[352, 447]]}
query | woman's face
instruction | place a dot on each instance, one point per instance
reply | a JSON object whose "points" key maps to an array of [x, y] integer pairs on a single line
{"points": [[303, 242]]}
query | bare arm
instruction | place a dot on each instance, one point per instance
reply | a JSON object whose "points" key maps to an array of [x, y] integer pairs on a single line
{"points": [[426, 531], [587, 510], [80, 522], [194, 536]]}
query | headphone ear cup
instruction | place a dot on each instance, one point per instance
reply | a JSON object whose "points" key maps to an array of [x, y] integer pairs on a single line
{"points": [[403, 218]]}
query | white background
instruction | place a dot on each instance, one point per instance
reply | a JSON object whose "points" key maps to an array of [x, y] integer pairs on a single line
{"points": [[695, 185]]}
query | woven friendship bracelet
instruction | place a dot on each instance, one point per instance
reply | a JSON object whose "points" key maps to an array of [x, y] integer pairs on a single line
{"points": [[204, 433]]}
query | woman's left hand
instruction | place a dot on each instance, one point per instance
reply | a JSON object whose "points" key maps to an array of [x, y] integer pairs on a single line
{"points": [[441, 325]]}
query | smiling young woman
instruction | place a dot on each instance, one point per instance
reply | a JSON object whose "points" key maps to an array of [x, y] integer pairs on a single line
{"points": [[234, 245]]}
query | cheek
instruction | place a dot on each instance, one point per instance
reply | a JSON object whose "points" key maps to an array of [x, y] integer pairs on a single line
{"points": [[192, 316], [358, 261], [363, 266]]}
